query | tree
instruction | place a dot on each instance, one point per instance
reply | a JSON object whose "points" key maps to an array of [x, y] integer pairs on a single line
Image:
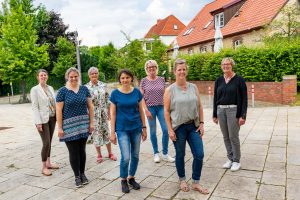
{"points": [[50, 27], [288, 25], [132, 57], [66, 58], [20, 57], [159, 54]]}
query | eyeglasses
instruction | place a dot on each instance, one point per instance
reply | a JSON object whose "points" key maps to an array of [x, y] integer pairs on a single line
{"points": [[224, 64], [151, 67]]}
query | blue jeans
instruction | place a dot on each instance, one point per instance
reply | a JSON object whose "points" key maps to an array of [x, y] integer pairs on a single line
{"points": [[129, 144], [187, 132], [158, 111]]}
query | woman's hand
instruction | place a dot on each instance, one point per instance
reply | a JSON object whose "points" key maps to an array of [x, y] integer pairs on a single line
{"points": [[215, 120], [113, 138], [200, 129], [91, 128], [61, 133], [148, 114], [172, 135], [39, 127], [144, 134], [241, 121]]}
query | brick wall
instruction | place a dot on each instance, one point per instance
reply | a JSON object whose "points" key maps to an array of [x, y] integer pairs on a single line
{"points": [[284, 92]]}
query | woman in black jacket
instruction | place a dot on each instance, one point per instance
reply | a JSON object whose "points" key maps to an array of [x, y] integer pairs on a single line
{"points": [[230, 109]]}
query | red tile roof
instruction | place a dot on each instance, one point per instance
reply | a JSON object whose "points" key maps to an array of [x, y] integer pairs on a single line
{"points": [[252, 15], [165, 27]]}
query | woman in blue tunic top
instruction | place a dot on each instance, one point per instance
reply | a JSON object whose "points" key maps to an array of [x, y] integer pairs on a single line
{"points": [[75, 115]]}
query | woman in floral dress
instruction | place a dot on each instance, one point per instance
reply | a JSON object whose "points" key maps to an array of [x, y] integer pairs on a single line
{"points": [[100, 98]]}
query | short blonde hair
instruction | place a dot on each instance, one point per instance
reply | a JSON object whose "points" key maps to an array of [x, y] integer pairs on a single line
{"points": [[92, 69], [154, 63], [71, 69], [230, 59]]}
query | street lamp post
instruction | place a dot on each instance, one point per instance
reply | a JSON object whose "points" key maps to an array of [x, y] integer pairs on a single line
{"points": [[78, 55]]}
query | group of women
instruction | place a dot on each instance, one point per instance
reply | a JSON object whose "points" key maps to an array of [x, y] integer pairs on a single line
{"points": [[84, 110]]}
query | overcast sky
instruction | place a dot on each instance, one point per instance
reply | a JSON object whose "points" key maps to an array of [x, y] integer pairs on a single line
{"points": [[100, 21]]}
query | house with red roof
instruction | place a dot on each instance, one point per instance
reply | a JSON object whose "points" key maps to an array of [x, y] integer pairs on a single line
{"points": [[165, 29], [242, 22]]}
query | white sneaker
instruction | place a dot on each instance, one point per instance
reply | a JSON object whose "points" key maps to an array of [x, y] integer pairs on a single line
{"points": [[168, 158], [228, 164], [156, 158], [235, 166]]}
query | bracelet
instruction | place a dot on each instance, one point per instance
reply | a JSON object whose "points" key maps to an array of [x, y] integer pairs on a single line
{"points": [[201, 122], [144, 127]]}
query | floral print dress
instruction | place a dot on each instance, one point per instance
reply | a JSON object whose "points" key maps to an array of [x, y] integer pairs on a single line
{"points": [[100, 98]]}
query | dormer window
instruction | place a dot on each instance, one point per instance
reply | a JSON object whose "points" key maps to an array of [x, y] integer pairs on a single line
{"points": [[219, 20], [175, 27]]}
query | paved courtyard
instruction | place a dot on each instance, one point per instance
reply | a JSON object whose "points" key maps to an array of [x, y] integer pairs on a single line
{"points": [[270, 143]]}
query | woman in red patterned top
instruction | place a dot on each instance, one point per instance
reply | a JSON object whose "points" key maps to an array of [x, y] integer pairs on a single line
{"points": [[153, 87]]}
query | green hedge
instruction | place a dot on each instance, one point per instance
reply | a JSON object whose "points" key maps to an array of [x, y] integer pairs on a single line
{"points": [[258, 64]]}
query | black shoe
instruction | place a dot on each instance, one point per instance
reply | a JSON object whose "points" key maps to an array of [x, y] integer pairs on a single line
{"points": [[134, 184], [78, 182], [84, 179], [125, 188]]}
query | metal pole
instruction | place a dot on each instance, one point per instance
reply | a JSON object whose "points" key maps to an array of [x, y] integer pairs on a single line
{"points": [[78, 56], [209, 96], [252, 94], [12, 89]]}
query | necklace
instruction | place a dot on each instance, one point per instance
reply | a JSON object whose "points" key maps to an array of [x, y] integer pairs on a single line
{"points": [[227, 79]]}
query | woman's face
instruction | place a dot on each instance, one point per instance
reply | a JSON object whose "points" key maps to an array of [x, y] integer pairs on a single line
{"points": [[125, 79], [151, 69], [226, 66], [94, 75], [73, 78], [181, 72], [42, 77]]}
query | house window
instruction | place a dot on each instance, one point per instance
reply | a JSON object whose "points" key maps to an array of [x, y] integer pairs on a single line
{"points": [[212, 47], [187, 32], [148, 46], [203, 49], [219, 20], [237, 43], [190, 50], [175, 27], [207, 24]]}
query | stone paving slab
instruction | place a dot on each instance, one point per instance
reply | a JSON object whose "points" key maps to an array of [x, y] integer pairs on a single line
{"points": [[270, 160]]}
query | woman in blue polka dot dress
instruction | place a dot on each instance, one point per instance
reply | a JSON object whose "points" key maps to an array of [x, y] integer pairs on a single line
{"points": [[75, 116]]}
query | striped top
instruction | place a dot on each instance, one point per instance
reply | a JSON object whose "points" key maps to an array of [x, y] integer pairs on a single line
{"points": [[153, 91], [75, 113]]}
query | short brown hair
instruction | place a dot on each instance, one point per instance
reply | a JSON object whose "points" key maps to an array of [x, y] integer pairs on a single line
{"points": [[127, 72], [179, 61]]}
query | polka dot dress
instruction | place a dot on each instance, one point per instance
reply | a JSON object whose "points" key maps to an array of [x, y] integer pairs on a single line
{"points": [[75, 113]]}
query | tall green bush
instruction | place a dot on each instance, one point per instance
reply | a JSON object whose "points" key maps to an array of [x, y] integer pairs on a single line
{"points": [[256, 64]]}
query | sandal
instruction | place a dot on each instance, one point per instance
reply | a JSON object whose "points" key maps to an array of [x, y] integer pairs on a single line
{"points": [[112, 157], [53, 166], [200, 190], [46, 172], [184, 186], [99, 159]]}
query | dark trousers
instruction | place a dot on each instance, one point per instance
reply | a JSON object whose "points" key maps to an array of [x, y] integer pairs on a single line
{"points": [[77, 155], [46, 135]]}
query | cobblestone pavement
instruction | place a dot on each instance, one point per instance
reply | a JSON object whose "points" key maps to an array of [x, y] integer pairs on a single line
{"points": [[270, 143]]}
